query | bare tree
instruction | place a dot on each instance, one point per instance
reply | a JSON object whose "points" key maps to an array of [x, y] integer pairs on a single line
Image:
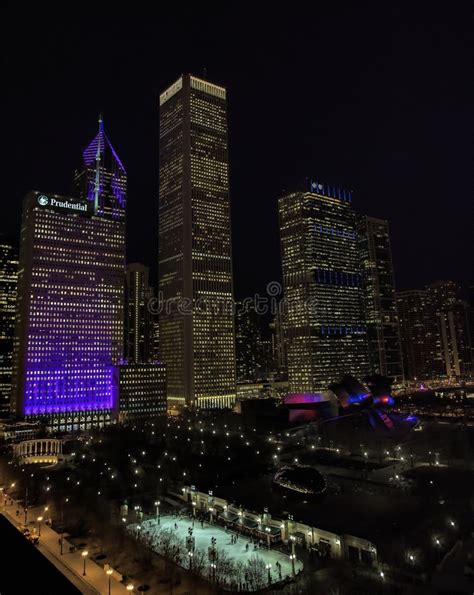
{"points": [[256, 572]]}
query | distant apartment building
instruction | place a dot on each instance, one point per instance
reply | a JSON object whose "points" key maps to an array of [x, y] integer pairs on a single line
{"points": [[383, 333]]}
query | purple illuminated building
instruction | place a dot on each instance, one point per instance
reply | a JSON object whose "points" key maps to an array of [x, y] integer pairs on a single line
{"points": [[102, 178], [69, 327]]}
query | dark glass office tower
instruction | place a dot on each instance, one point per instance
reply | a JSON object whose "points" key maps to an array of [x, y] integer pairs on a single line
{"points": [[380, 305], [322, 288], [418, 332], [138, 315], [195, 260], [8, 288]]}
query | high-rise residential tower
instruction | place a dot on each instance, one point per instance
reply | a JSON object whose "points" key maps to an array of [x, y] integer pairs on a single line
{"points": [[322, 285], [418, 333], [138, 315], [383, 334], [453, 342], [195, 259], [8, 287], [69, 322]]}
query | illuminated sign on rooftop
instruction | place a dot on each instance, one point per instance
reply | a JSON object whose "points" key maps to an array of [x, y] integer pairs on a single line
{"points": [[46, 201]]}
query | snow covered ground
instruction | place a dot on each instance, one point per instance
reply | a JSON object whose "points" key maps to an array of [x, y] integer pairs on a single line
{"points": [[237, 551]]}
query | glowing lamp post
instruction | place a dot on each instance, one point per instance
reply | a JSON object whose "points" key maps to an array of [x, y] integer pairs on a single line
{"points": [[66, 500], [84, 555], [130, 588], [293, 555], [211, 510], [268, 531], [190, 554], [109, 573], [39, 519], [269, 567], [292, 558], [157, 505]]}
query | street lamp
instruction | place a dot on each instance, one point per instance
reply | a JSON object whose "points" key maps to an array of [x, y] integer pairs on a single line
{"points": [[292, 558], [39, 519], [269, 567], [109, 573], [84, 555], [213, 570], [130, 587], [190, 554], [157, 505], [268, 531]]}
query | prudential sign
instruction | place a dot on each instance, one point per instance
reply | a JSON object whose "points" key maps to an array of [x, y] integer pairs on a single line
{"points": [[46, 201]]}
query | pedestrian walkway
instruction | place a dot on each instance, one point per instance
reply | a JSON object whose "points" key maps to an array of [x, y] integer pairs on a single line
{"points": [[71, 564]]}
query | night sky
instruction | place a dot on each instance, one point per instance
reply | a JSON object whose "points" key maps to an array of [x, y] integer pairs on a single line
{"points": [[372, 97]]}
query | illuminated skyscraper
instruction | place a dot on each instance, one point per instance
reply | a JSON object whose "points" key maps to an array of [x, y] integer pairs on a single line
{"points": [[102, 178], [379, 297], [69, 324], [139, 318], [418, 332], [253, 352], [8, 286], [142, 392], [195, 260], [322, 288], [453, 341]]}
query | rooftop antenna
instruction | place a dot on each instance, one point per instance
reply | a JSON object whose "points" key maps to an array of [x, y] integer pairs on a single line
{"points": [[97, 165]]}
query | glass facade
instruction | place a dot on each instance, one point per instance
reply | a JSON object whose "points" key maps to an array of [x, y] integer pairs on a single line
{"points": [[380, 305], [8, 288], [322, 284], [195, 260]]}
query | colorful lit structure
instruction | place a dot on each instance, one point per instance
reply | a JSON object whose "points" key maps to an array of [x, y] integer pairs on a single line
{"points": [[69, 321]]}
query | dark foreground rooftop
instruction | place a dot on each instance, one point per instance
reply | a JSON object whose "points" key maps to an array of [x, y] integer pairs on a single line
{"points": [[25, 570]]}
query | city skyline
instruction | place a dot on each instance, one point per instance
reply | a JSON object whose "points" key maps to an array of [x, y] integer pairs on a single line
{"points": [[237, 299], [351, 119]]}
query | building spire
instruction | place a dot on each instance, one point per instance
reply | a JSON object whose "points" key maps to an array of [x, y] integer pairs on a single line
{"points": [[97, 164]]}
